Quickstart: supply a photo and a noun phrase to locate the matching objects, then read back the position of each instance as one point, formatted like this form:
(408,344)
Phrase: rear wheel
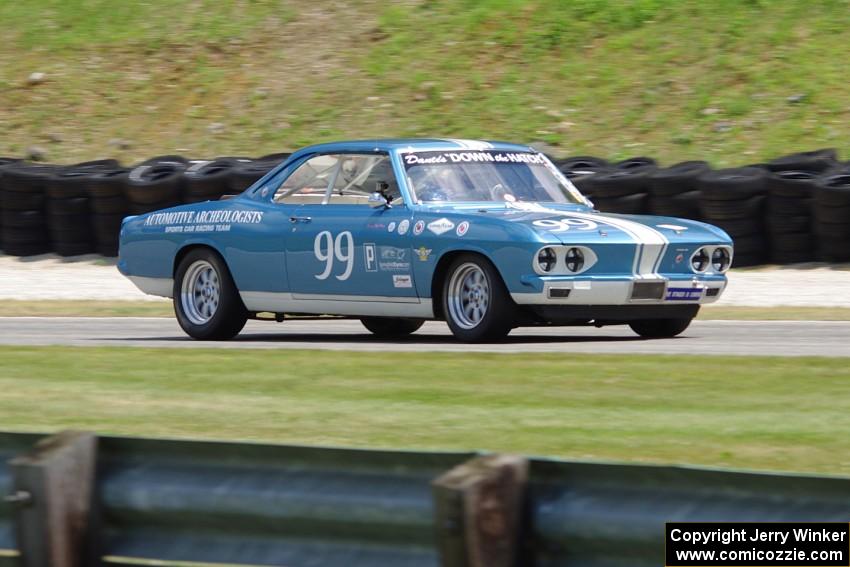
(390,327)
(660,328)
(206,302)
(476,304)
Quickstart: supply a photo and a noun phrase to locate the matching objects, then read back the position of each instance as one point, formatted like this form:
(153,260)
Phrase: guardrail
(254,504)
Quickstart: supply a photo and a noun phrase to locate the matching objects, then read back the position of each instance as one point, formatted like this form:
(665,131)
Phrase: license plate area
(684,294)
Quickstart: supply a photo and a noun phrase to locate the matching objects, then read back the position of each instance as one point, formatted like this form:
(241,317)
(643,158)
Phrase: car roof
(409,144)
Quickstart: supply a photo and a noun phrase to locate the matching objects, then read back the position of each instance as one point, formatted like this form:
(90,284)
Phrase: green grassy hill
(729,81)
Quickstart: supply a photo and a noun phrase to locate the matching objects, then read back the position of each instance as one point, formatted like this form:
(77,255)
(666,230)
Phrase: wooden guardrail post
(53,490)
(478,507)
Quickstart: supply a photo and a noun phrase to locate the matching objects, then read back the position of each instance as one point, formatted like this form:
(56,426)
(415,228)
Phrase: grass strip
(744,412)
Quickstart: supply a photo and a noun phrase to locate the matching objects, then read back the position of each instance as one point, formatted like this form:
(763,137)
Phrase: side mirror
(378,201)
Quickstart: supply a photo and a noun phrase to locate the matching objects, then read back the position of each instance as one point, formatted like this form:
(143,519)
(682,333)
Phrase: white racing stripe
(651,244)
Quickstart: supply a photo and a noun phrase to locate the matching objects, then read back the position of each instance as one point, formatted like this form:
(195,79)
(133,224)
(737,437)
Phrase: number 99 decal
(553,225)
(326,249)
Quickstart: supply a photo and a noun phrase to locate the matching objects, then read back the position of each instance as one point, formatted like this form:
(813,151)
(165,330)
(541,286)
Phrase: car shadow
(367,339)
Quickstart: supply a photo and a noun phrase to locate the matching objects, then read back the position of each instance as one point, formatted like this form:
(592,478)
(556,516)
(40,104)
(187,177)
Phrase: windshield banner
(452,157)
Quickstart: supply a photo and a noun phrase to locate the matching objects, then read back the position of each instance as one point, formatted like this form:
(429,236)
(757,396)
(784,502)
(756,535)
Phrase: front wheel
(206,301)
(476,304)
(660,328)
(391,327)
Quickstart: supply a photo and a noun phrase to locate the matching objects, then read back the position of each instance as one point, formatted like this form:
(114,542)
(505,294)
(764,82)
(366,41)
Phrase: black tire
(229,315)
(788,206)
(149,184)
(833,190)
(246,174)
(207,181)
(391,327)
(660,328)
(137,209)
(275,159)
(824,213)
(640,162)
(815,161)
(109,205)
(173,159)
(25,248)
(677,179)
(752,208)
(781,224)
(732,184)
(108,183)
(72,206)
(617,182)
(499,313)
(577,166)
(67,184)
(636,204)
(25,219)
(792,184)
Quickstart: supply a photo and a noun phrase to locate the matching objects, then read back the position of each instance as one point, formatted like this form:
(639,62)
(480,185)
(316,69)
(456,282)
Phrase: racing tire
(476,304)
(391,327)
(660,328)
(817,161)
(206,301)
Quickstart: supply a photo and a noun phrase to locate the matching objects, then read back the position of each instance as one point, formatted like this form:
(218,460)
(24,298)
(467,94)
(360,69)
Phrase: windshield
(475,176)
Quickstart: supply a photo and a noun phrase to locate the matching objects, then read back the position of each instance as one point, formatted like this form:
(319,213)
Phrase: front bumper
(681,289)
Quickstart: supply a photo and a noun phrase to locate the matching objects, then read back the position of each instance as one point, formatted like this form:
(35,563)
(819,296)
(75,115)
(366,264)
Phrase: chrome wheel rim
(200,292)
(468,296)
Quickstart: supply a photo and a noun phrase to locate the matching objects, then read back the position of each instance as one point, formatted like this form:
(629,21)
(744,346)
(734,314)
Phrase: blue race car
(487,236)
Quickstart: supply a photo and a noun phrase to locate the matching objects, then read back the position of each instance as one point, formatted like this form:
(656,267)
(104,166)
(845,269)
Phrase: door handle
(294,219)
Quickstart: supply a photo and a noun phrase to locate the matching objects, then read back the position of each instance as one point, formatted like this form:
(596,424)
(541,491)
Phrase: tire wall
(795,208)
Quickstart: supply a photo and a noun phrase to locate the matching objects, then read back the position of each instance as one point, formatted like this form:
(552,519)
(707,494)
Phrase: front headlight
(720,259)
(699,261)
(546,259)
(575,260)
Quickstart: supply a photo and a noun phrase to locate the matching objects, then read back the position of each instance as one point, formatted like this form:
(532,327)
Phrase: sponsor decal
(394,259)
(419,227)
(369,257)
(679,258)
(440,226)
(402,280)
(451,157)
(264,192)
(202,221)
(462,228)
(391,227)
(423,253)
(403,226)
(376,225)
(684,293)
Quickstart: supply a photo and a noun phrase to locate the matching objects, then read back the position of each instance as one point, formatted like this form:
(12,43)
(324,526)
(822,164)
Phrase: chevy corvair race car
(486,236)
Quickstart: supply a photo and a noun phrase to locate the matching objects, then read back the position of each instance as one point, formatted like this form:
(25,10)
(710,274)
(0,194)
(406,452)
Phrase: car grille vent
(712,292)
(648,290)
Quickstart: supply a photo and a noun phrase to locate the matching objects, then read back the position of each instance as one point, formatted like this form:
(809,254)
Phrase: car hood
(576,223)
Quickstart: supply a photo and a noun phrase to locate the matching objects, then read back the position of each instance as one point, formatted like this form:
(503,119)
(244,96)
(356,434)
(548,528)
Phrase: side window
(310,182)
(360,176)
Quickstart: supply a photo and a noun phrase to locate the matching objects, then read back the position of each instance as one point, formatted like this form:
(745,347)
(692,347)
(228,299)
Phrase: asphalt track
(773,338)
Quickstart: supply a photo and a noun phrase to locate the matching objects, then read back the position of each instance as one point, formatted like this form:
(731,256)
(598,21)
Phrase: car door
(344,249)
